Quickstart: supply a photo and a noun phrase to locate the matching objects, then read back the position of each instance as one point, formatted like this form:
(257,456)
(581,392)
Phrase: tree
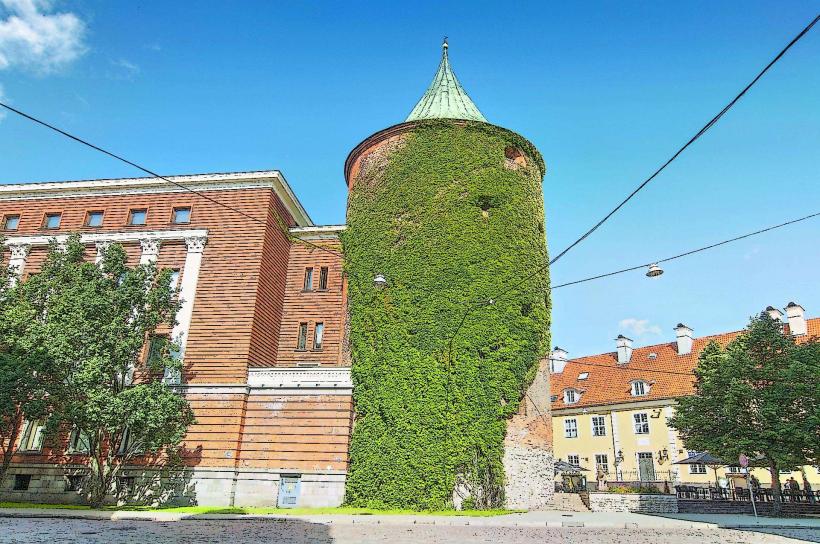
(98,319)
(26,374)
(760,396)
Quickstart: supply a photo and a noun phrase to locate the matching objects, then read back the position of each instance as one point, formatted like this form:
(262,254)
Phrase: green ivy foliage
(451,222)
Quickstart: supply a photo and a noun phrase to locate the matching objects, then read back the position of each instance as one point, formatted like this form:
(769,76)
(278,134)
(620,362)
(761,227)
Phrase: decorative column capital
(150,246)
(19,251)
(196,244)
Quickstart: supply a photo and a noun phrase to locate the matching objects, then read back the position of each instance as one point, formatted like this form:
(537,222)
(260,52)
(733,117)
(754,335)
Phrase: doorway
(646,467)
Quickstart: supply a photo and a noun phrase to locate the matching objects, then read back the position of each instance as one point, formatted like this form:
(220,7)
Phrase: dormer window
(640,388)
(571,396)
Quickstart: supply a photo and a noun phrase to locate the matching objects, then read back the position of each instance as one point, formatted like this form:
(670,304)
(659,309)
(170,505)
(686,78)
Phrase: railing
(742,494)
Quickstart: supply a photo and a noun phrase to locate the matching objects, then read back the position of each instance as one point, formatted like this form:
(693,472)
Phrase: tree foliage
(95,320)
(450,220)
(759,396)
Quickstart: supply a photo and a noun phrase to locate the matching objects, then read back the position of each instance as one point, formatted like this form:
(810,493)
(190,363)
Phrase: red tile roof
(669,374)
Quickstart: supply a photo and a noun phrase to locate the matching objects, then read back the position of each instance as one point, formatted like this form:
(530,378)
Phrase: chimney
(684,339)
(558,360)
(797,319)
(624,348)
(774,313)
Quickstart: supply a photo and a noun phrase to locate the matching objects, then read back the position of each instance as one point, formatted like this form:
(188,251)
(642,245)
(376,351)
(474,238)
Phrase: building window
(570,428)
(11,222)
(571,396)
(32,436)
(598,426)
(128,444)
(574,460)
(639,388)
(583,375)
(641,423)
(94,219)
(697,469)
(137,217)
(21,482)
(602,462)
(52,220)
(156,349)
(323,279)
(174,283)
(74,482)
(302,341)
(78,442)
(182,215)
(318,336)
(308,286)
(125,484)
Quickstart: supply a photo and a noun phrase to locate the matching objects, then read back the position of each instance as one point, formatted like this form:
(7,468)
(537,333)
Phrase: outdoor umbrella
(707,459)
(563,467)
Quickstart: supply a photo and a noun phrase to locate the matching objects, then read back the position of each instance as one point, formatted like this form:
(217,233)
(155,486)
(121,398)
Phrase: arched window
(571,396)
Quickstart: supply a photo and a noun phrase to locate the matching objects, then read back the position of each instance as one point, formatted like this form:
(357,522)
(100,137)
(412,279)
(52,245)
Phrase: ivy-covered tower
(448,353)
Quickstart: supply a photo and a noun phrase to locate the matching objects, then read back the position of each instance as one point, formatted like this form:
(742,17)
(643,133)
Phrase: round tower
(448,208)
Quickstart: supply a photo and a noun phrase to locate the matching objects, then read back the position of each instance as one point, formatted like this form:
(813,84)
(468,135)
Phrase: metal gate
(289,491)
(646,467)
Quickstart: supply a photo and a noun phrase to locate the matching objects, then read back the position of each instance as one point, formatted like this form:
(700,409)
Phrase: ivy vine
(451,217)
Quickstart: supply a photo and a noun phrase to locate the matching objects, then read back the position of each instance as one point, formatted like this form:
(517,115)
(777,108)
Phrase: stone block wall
(633,502)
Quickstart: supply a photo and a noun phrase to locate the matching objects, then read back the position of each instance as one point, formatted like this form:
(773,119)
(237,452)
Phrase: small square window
(308,285)
(323,279)
(318,336)
(21,482)
(52,220)
(11,222)
(94,219)
(574,460)
(570,428)
(74,482)
(302,340)
(137,217)
(182,215)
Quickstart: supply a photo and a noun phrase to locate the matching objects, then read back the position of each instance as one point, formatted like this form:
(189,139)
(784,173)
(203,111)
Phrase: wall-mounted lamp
(619,457)
(663,456)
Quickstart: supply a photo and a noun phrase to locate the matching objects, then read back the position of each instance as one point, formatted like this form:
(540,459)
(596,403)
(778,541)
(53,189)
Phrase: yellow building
(610,411)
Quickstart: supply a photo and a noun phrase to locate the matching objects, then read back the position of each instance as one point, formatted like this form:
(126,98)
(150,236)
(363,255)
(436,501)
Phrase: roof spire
(445,98)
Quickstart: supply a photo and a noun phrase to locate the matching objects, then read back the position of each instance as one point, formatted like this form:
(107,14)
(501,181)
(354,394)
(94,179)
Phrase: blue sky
(607,91)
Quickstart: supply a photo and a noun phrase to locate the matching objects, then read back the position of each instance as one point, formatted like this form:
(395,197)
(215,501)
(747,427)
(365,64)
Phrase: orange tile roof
(669,374)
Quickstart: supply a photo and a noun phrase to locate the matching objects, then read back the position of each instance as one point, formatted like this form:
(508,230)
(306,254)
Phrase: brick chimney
(558,360)
(774,313)
(684,339)
(797,319)
(623,345)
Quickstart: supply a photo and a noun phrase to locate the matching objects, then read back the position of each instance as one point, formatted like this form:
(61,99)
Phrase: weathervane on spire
(444,45)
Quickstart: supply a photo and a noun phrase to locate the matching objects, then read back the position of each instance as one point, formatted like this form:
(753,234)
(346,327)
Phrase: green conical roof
(445,98)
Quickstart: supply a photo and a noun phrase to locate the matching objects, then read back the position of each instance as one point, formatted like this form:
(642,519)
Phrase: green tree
(26,374)
(760,396)
(98,319)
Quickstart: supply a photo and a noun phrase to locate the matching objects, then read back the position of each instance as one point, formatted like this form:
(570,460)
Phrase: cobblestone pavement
(70,531)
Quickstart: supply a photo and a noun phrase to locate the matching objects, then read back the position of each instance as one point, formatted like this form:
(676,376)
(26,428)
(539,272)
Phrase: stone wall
(632,502)
(205,487)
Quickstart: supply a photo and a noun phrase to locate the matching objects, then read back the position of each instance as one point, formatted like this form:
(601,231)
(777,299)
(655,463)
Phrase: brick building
(260,328)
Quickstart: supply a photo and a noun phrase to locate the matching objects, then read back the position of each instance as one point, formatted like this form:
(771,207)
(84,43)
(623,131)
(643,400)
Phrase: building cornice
(230,181)
(615,407)
(318,232)
(115,237)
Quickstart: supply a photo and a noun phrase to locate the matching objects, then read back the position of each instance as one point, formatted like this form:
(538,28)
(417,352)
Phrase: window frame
(576,395)
(604,464)
(48,215)
(570,427)
(643,424)
(602,426)
(175,209)
(130,219)
(75,438)
(301,338)
(307,284)
(9,216)
(318,335)
(324,272)
(577,459)
(89,214)
(32,443)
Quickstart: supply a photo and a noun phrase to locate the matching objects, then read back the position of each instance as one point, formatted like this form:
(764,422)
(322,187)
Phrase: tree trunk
(8,451)
(777,503)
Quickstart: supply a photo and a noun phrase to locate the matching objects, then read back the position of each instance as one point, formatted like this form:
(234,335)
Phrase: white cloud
(35,39)
(638,327)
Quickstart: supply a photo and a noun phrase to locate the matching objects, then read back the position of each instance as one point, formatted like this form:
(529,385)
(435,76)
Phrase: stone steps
(568,502)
